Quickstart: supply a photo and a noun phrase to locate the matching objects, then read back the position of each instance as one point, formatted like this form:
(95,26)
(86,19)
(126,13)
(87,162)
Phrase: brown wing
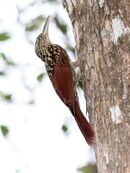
(62,79)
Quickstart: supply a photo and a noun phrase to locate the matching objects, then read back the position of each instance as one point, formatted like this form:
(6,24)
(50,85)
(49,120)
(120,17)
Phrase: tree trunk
(102,35)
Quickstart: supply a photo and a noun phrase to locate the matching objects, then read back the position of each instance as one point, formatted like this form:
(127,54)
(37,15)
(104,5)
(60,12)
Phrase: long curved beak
(46,27)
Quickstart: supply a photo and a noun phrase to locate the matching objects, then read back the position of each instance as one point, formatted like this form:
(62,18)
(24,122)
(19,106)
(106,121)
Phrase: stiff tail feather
(83,124)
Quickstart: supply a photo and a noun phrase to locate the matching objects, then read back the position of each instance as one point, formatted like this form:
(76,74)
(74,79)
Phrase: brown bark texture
(102,35)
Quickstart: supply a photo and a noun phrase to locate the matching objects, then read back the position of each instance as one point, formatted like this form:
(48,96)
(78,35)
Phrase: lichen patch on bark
(116,114)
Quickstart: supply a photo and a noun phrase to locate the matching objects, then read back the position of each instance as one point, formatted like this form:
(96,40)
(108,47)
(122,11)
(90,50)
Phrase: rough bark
(102,34)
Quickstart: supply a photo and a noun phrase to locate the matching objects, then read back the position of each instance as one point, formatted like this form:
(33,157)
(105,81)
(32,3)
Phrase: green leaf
(62,26)
(72,49)
(79,84)
(2,73)
(7,97)
(4,36)
(7,60)
(34,24)
(88,169)
(4,130)
(40,77)
(64,128)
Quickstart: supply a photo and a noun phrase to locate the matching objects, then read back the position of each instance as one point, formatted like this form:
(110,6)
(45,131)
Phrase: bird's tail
(82,122)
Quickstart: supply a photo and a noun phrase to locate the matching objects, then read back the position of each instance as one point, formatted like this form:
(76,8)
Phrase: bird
(59,70)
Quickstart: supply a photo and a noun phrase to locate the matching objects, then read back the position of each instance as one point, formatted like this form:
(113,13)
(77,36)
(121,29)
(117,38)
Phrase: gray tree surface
(102,34)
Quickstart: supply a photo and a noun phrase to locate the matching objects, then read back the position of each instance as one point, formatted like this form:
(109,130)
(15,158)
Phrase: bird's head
(42,41)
